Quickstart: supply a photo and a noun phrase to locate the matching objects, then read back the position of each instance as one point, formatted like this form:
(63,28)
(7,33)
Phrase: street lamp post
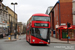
(10,28)
(1,0)
(14,18)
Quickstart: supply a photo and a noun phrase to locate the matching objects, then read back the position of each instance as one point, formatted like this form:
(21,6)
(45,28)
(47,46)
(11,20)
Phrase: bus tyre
(29,42)
(46,44)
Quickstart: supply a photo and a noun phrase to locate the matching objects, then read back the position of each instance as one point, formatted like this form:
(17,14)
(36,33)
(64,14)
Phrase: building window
(74,13)
(3,13)
(0,12)
(0,19)
(57,23)
(4,8)
(0,5)
(57,7)
(57,18)
(54,12)
(73,0)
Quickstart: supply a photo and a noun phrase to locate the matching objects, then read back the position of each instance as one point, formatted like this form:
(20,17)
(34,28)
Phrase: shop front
(63,33)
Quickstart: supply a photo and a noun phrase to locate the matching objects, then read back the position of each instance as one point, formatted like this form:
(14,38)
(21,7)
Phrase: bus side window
(28,32)
(32,31)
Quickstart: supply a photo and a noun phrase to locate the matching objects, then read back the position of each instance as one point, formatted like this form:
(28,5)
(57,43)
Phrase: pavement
(52,40)
(12,38)
(55,40)
(23,45)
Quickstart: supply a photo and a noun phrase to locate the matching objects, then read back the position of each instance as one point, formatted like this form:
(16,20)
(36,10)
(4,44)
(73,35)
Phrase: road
(23,45)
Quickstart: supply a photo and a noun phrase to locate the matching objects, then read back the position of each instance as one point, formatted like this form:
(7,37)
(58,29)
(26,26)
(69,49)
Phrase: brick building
(61,13)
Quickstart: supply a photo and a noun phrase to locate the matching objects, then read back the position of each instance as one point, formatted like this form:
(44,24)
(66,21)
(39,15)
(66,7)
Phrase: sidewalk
(54,40)
(13,39)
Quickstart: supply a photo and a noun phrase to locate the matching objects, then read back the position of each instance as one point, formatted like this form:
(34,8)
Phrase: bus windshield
(40,32)
(41,18)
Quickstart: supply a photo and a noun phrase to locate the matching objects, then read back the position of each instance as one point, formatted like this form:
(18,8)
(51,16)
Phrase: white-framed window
(0,12)
(57,7)
(0,5)
(57,18)
(54,12)
(73,0)
(57,23)
(0,19)
(73,12)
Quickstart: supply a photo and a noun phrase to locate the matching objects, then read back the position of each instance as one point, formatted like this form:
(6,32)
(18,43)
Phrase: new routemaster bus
(38,29)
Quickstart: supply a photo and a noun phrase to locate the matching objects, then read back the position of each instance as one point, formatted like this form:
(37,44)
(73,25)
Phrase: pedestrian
(15,34)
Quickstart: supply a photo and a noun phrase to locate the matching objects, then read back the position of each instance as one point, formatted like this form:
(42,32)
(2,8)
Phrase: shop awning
(65,27)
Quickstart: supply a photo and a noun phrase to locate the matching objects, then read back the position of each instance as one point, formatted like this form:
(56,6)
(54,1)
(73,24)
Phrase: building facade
(20,27)
(4,20)
(12,19)
(7,19)
(61,13)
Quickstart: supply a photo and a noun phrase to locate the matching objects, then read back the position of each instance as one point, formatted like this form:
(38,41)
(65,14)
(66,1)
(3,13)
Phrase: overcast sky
(26,8)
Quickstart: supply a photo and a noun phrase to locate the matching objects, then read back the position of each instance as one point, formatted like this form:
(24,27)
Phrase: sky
(26,8)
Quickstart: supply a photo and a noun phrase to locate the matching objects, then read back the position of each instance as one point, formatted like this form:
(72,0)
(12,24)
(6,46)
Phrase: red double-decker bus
(38,29)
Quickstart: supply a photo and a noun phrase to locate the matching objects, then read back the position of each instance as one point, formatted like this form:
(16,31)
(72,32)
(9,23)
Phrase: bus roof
(40,14)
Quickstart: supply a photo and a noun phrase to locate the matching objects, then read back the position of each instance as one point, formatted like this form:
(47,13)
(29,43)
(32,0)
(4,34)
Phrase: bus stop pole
(67,33)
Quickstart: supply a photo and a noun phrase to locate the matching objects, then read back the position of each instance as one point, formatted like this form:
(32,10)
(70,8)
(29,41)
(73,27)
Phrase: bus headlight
(33,40)
(48,40)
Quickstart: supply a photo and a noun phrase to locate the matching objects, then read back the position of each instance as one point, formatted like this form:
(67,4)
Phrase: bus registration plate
(40,42)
